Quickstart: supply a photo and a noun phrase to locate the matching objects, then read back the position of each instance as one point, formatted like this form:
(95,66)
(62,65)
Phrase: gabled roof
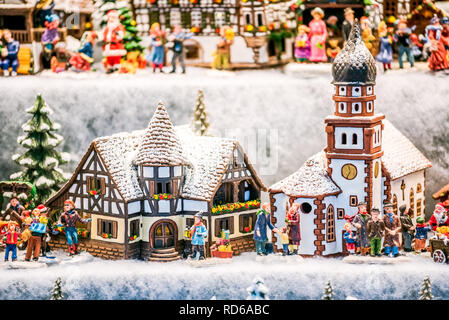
(442,192)
(311,180)
(82,6)
(160,145)
(400,157)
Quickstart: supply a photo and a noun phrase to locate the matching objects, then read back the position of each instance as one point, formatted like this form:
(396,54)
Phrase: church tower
(354,132)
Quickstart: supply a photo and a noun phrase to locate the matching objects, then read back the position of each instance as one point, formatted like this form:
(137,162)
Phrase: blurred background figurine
(82,60)
(385,50)
(43,8)
(417,47)
(333,30)
(177,46)
(113,48)
(347,24)
(302,44)
(222,59)
(333,49)
(367,34)
(318,35)
(9,54)
(438,57)
(156,56)
(445,34)
(402,38)
(59,62)
(49,39)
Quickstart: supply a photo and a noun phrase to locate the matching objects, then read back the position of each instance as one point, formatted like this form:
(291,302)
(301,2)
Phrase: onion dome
(354,65)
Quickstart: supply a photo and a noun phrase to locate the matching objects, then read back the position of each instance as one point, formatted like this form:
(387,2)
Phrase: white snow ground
(286,277)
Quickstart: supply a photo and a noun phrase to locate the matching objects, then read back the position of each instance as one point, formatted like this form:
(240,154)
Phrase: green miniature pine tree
(200,124)
(131,40)
(41,160)
(56,293)
(426,290)
(328,292)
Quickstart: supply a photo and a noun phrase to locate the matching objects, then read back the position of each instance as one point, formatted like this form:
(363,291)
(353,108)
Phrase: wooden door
(164,236)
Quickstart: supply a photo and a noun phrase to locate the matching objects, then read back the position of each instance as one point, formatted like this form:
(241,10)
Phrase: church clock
(349,171)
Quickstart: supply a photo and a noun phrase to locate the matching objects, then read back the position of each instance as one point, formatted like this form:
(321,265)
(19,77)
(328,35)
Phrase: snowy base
(208,262)
(83,257)
(24,265)
(375,260)
(275,258)
(308,70)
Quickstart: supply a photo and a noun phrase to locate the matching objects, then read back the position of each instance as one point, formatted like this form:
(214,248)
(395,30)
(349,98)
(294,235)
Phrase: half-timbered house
(141,190)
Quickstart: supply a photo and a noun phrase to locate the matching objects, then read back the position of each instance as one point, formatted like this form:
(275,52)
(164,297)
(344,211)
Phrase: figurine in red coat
(113,48)
(439,217)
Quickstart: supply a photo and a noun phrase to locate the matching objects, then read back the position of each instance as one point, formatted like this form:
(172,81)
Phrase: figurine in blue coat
(260,229)
(10,54)
(198,232)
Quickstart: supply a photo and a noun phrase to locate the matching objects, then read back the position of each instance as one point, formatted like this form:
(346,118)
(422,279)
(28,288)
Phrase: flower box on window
(106,235)
(195,30)
(162,196)
(132,238)
(235,207)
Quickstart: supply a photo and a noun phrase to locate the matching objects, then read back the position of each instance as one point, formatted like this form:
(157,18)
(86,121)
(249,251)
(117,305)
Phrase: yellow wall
(120,228)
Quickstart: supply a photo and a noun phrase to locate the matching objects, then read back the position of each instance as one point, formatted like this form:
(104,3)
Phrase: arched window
(354,138)
(343,138)
(418,188)
(395,204)
(330,224)
(418,207)
(412,203)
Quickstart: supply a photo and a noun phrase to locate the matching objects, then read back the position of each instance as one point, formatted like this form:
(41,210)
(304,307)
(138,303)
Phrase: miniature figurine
(375,229)
(156,57)
(360,221)
(438,57)
(60,60)
(9,54)
(402,37)
(113,48)
(222,247)
(293,228)
(222,57)
(439,217)
(11,238)
(333,30)
(283,233)
(69,217)
(26,233)
(392,228)
(177,46)
(347,24)
(349,237)
(421,235)
(417,47)
(187,243)
(333,49)
(302,44)
(408,229)
(445,34)
(198,232)
(260,228)
(49,39)
(13,211)
(367,34)
(81,60)
(385,51)
(318,35)
(43,9)
(37,229)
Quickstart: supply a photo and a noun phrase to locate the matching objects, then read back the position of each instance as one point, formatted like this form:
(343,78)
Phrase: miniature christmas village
(162,189)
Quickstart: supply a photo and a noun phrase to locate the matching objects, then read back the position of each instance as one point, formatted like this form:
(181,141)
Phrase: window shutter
(103,186)
(114,229)
(99,221)
(231,225)
(175,187)
(241,223)
(217,227)
(88,184)
(254,221)
(151,187)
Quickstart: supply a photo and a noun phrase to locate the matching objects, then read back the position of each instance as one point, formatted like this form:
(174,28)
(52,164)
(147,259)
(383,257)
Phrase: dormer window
(356,91)
(342,107)
(95,186)
(342,91)
(356,107)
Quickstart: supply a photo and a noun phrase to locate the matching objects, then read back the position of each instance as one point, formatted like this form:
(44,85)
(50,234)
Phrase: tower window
(342,91)
(343,138)
(354,138)
(356,91)
(353,201)
(369,90)
(369,106)
(356,108)
(342,107)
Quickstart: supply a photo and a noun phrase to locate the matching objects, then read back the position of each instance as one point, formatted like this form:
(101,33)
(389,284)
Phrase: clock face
(376,169)
(349,171)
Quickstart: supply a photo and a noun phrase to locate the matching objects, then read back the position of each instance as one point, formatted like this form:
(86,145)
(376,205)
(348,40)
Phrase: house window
(418,207)
(354,138)
(340,213)
(395,204)
(305,207)
(96,186)
(412,203)
(369,90)
(196,18)
(162,186)
(134,228)
(225,194)
(247,222)
(259,19)
(356,108)
(247,191)
(220,18)
(353,201)
(343,138)
(418,188)
(342,91)
(224,224)
(107,228)
(248,18)
(330,224)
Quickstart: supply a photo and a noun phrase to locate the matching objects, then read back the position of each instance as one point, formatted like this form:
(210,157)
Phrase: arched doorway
(163,234)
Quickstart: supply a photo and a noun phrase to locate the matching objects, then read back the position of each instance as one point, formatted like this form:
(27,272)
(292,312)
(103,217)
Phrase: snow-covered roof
(82,6)
(400,157)
(160,145)
(310,180)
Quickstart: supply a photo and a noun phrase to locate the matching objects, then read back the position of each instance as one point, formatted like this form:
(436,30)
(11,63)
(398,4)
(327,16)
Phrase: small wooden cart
(221,254)
(439,251)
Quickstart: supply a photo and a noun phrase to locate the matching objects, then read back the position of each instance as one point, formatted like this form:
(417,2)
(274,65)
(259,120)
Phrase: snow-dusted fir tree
(426,290)
(328,292)
(56,293)
(258,290)
(41,160)
(200,124)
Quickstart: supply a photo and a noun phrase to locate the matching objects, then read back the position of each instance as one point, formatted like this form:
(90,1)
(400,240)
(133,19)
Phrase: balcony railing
(24,36)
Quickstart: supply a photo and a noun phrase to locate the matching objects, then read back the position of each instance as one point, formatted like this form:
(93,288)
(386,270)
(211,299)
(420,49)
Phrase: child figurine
(82,60)
(9,54)
(69,217)
(333,49)
(392,229)
(222,57)
(11,238)
(385,51)
(302,44)
(198,232)
(349,237)
(49,39)
(375,229)
(367,34)
(421,235)
(34,243)
(177,39)
(416,47)
(402,37)
(13,211)
(156,57)
(26,233)
(283,233)
(293,228)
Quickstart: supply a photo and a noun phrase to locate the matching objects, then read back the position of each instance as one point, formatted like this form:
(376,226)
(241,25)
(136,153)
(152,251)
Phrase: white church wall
(377,198)
(334,246)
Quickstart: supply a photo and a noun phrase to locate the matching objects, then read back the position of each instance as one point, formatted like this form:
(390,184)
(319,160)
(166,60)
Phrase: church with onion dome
(366,159)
